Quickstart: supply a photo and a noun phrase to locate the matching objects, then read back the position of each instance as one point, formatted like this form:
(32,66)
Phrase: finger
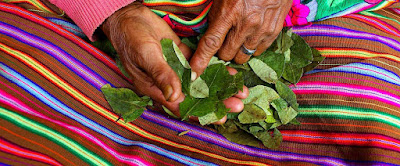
(231,70)
(251,43)
(174,106)
(264,45)
(143,84)
(152,62)
(234,104)
(232,44)
(243,94)
(186,51)
(209,45)
(271,30)
(221,121)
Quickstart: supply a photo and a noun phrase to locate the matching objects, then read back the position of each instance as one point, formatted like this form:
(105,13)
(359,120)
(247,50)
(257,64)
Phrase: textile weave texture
(52,111)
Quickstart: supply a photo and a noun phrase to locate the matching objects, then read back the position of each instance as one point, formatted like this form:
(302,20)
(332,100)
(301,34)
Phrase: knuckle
(212,43)
(254,21)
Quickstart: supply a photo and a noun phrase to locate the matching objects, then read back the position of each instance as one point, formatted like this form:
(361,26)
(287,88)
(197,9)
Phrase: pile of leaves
(271,103)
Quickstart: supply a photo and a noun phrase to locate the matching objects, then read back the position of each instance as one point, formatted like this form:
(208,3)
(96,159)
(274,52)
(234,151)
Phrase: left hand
(232,23)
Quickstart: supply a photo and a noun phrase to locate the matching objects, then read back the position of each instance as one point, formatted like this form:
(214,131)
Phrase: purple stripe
(212,137)
(68,46)
(56,52)
(15,161)
(65,32)
(335,31)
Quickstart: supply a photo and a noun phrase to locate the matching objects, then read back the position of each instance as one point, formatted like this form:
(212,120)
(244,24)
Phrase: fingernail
(194,75)
(167,92)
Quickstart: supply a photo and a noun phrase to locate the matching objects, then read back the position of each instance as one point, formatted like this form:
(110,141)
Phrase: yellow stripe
(28,60)
(356,53)
(36,4)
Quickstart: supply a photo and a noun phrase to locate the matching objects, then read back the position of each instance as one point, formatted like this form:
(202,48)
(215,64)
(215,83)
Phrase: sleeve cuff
(90,14)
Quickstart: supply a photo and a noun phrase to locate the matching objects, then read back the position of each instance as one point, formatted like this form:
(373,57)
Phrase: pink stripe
(314,76)
(378,24)
(18,105)
(297,89)
(354,67)
(25,153)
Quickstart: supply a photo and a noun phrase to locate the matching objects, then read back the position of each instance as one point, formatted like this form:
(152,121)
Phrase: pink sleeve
(90,14)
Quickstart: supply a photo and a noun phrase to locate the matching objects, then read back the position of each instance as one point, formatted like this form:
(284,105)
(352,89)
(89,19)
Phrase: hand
(135,32)
(252,23)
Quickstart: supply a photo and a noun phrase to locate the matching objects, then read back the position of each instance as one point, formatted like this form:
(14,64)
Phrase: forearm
(90,14)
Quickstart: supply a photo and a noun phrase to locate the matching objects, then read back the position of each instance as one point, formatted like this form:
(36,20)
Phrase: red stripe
(350,139)
(25,153)
(58,29)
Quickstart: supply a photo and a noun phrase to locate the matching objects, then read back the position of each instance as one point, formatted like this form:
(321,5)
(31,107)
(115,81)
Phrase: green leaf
(287,94)
(250,78)
(199,88)
(243,66)
(274,60)
(186,81)
(292,73)
(270,141)
(171,57)
(255,129)
(294,122)
(217,77)
(121,67)
(233,87)
(125,102)
(231,132)
(191,42)
(261,93)
(252,114)
(214,60)
(300,52)
(275,125)
(214,116)
(286,42)
(232,115)
(263,71)
(169,112)
(197,107)
(286,114)
(183,133)
(270,119)
(180,56)
(317,59)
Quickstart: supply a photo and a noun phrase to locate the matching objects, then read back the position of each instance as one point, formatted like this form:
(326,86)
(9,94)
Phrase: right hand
(135,32)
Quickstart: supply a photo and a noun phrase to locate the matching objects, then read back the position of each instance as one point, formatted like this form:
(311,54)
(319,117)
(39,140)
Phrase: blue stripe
(52,102)
(24,12)
(71,27)
(362,72)
(16,33)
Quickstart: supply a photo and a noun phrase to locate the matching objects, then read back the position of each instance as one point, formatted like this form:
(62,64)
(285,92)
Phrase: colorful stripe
(53,135)
(347,108)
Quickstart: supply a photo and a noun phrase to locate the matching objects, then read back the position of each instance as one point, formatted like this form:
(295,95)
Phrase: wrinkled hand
(135,32)
(233,23)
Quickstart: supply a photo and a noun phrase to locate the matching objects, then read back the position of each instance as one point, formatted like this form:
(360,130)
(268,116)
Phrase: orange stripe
(33,142)
(173,4)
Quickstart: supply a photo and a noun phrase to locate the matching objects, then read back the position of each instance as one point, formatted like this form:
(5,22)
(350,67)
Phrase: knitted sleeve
(90,14)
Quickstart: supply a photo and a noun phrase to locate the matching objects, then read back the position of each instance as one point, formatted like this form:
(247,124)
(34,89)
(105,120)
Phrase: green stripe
(186,2)
(345,112)
(179,20)
(54,136)
(381,17)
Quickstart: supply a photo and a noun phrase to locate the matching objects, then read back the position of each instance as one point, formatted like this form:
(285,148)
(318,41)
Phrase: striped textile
(52,111)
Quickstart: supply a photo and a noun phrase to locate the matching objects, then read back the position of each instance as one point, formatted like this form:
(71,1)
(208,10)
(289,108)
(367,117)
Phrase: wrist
(120,15)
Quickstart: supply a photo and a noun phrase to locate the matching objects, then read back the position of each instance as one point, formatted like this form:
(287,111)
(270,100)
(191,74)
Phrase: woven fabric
(52,111)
